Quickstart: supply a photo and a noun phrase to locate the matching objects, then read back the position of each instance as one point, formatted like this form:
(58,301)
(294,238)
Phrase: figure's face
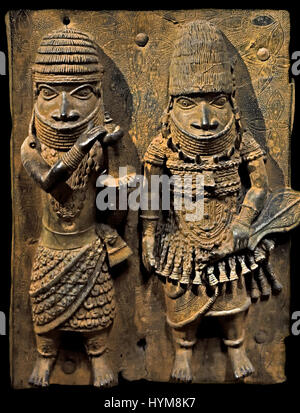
(66,104)
(202,114)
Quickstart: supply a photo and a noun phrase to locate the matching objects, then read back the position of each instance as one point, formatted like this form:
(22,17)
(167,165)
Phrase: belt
(67,240)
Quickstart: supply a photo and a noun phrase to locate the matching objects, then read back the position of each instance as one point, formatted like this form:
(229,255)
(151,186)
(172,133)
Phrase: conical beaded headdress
(200,62)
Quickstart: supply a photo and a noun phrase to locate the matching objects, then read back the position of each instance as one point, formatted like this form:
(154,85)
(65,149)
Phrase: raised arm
(52,178)
(37,168)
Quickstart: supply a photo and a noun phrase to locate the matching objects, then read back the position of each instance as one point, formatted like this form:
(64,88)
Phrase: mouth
(65,119)
(198,130)
(202,134)
(60,124)
(205,133)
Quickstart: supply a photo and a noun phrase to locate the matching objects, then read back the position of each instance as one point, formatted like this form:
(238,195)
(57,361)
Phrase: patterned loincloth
(71,289)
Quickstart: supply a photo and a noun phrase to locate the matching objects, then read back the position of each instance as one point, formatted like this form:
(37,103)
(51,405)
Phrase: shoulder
(28,148)
(26,143)
(250,149)
(156,151)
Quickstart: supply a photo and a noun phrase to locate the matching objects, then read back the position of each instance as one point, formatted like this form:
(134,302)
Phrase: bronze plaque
(94,294)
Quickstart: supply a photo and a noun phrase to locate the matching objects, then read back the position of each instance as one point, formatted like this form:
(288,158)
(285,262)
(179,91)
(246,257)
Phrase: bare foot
(41,371)
(102,374)
(182,366)
(241,365)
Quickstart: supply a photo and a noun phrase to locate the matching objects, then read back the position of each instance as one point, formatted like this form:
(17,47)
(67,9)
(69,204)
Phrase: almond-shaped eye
(47,92)
(185,103)
(220,101)
(84,92)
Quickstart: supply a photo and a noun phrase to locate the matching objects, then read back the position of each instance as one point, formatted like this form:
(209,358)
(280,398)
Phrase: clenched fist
(148,244)
(97,133)
(241,234)
(87,139)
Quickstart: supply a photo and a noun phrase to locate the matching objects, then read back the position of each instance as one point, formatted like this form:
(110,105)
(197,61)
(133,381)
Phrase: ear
(35,90)
(233,62)
(31,130)
(165,130)
(98,89)
(165,124)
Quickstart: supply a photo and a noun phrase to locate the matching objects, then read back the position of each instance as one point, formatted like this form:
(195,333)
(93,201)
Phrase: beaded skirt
(199,277)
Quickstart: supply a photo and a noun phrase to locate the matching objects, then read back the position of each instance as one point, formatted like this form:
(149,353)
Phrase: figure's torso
(77,213)
(219,184)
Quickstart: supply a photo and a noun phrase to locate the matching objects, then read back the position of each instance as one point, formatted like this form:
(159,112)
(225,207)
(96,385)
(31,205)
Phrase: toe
(239,373)
(31,380)
(243,372)
(250,369)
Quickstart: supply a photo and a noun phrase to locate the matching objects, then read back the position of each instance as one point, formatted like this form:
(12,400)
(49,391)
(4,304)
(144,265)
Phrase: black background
(237,397)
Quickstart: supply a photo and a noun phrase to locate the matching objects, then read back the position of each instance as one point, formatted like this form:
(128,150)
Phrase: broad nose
(206,120)
(64,106)
(65,112)
(205,116)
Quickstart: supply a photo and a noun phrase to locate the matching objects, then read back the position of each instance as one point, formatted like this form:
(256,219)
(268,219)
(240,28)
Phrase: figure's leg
(96,346)
(184,340)
(234,332)
(47,347)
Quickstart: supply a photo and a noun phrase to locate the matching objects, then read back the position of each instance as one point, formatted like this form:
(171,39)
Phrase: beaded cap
(67,55)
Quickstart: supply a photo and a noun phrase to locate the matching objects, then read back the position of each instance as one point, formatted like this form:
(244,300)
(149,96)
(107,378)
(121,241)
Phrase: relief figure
(71,288)
(218,265)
